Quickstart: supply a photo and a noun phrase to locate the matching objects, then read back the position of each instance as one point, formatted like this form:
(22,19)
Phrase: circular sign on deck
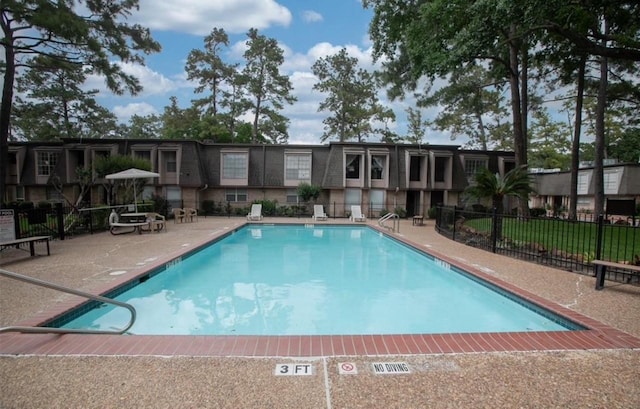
(347,368)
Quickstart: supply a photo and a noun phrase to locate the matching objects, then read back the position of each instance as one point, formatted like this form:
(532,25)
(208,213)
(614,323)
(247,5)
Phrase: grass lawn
(619,242)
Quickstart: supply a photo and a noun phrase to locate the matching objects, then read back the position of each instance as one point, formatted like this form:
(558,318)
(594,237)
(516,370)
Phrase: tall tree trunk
(5,108)
(519,137)
(598,169)
(523,205)
(481,130)
(516,111)
(575,144)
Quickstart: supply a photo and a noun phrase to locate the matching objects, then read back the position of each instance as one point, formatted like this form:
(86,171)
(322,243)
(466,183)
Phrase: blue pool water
(297,280)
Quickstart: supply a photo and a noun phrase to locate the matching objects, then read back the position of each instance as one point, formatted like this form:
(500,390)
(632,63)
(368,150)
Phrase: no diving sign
(347,368)
(387,368)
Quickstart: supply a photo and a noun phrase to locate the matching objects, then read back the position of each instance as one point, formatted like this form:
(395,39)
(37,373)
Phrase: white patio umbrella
(133,173)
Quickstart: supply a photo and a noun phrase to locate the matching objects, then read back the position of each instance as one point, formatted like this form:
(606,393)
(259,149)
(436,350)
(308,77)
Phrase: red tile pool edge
(596,336)
(312,346)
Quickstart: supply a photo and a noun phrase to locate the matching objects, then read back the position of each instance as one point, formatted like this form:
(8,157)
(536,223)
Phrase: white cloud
(198,17)
(123,113)
(153,82)
(311,16)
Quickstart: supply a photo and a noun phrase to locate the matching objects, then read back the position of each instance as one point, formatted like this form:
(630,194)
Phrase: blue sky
(305,29)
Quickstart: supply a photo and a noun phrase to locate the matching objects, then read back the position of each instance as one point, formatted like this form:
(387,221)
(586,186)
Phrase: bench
(601,269)
(115,228)
(418,220)
(30,240)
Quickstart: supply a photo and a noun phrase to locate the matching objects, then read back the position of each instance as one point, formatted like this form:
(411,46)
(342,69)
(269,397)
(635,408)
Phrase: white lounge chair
(256,212)
(356,214)
(318,213)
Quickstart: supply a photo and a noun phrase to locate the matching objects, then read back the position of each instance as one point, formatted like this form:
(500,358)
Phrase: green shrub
(209,207)
(268,207)
(537,212)
(401,212)
(160,204)
(44,205)
(432,212)
(308,192)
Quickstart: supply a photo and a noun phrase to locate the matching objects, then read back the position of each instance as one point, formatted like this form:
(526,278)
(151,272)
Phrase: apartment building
(376,176)
(553,190)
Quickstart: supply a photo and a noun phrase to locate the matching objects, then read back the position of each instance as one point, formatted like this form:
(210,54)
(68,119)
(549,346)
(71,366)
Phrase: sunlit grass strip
(621,243)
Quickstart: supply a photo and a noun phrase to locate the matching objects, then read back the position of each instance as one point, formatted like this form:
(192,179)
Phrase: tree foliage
(416,126)
(210,71)
(350,99)
(268,90)
(472,106)
(494,187)
(92,33)
(52,104)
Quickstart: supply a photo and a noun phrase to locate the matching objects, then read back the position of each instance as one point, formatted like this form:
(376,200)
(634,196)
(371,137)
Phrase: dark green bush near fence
(537,212)
(160,205)
(268,207)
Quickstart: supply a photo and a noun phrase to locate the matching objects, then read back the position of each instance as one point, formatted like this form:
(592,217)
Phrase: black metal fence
(274,209)
(59,222)
(570,245)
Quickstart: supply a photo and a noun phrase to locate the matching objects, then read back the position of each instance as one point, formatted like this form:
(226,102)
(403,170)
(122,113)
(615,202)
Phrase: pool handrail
(396,222)
(51,330)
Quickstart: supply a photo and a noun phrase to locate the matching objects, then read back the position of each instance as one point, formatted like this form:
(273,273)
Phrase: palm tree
(487,185)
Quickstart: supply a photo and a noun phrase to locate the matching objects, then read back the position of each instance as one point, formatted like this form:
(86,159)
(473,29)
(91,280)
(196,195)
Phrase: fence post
(16,223)
(454,222)
(599,236)
(60,220)
(494,229)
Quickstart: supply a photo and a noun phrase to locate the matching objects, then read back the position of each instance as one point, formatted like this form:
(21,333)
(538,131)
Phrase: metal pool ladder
(48,330)
(396,222)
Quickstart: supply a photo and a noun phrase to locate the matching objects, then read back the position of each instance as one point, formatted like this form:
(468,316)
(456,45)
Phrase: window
(352,197)
(171,164)
(20,193)
(292,196)
(611,182)
(376,197)
(377,167)
(234,165)
(12,169)
(298,167)
(46,163)
(174,196)
(440,171)
(509,166)
(352,170)
(473,166)
(414,168)
(146,155)
(236,195)
(583,182)
(583,202)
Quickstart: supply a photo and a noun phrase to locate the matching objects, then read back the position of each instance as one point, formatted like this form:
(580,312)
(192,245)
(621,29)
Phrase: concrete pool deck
(576,378)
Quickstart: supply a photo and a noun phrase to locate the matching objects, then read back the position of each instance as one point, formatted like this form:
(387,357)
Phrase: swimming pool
(312,280)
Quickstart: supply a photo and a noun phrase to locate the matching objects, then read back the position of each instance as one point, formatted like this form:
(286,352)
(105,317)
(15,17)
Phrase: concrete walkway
(579,379)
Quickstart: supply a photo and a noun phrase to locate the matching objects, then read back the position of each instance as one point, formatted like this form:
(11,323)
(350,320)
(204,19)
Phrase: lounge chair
(256,212)
(356,214)
(178,215)
(318,213)
(190,214)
